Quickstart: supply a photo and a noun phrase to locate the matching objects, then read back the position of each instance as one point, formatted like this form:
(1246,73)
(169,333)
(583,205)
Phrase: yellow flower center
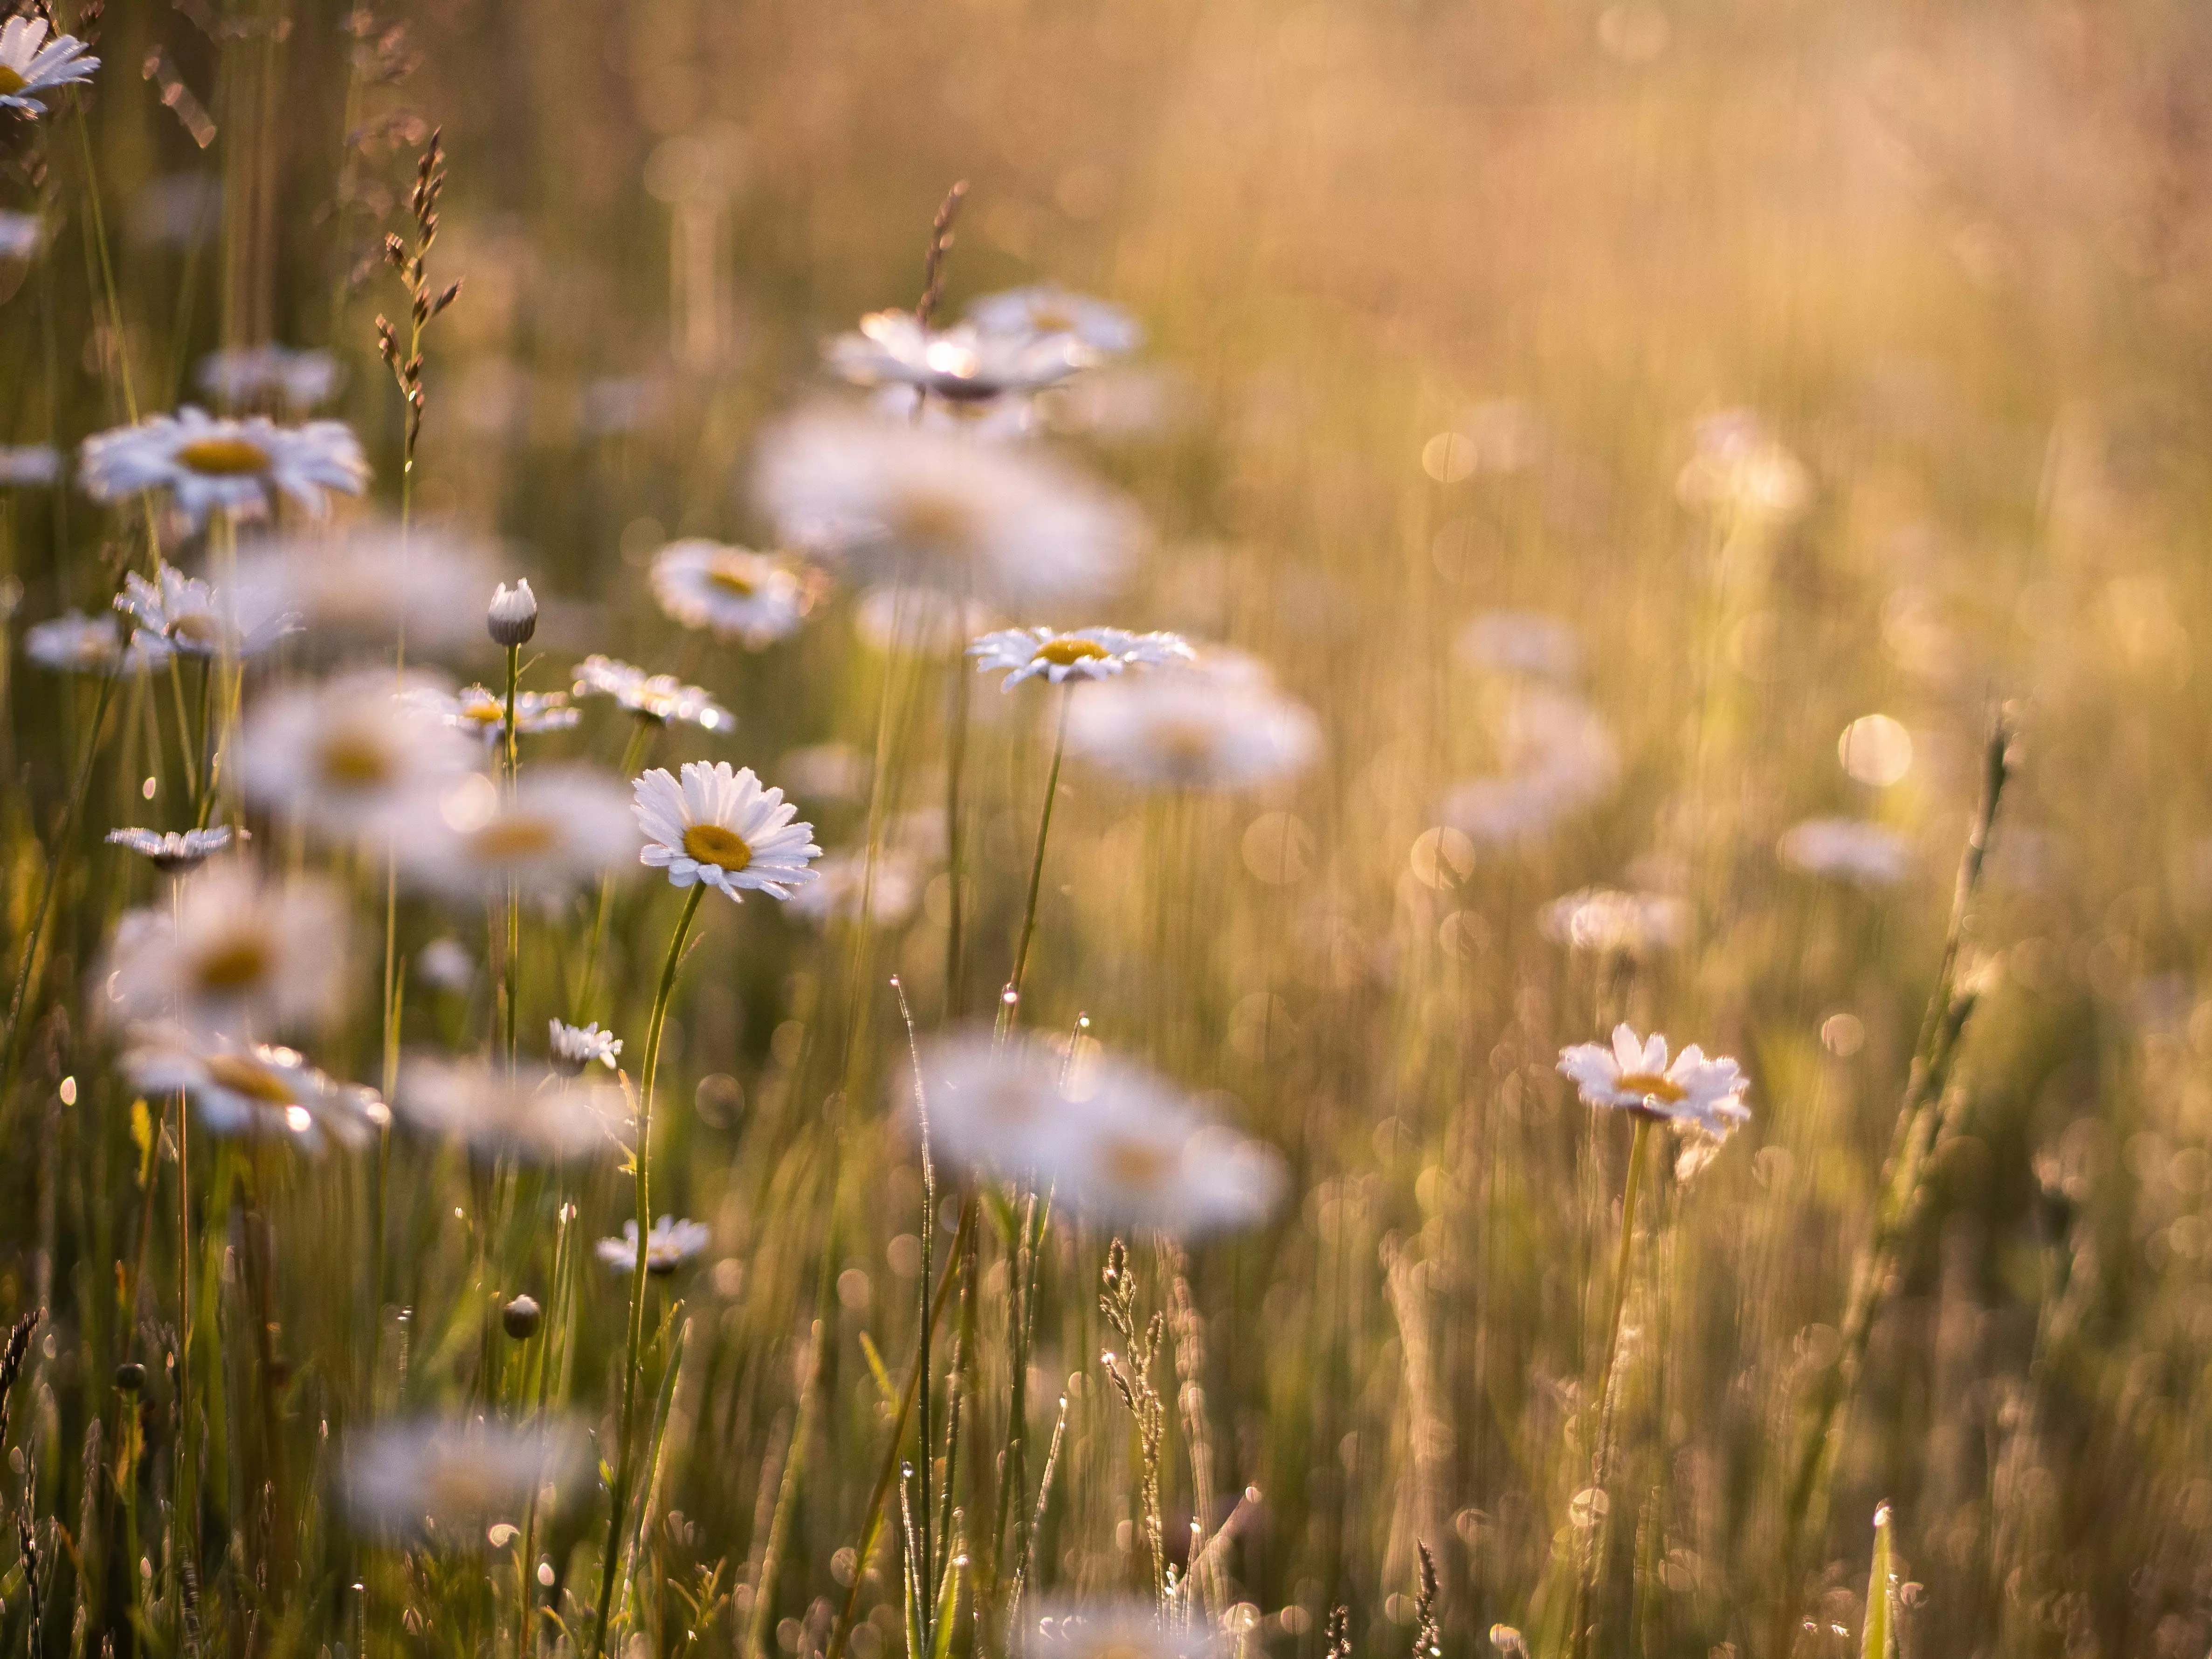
(1186,744)
(931,517)
(709,843)
(10,81)
(224,458)
(354,759)
(1137,1162)
(249,1078)
(1652,1086)
(1065,652)
(513,837)
(731,577)
(1051,319)
(233,963)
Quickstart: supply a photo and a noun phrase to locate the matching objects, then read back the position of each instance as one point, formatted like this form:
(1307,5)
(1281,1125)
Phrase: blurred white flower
(572,1047)
(1044,310)
(29,68)
(21,234)
(482,712)
(174,851)
(737,593)
(78,644)
(826,771)
(445,964)
(190,617)
(1605,919)
(720,827)
(451,1482)
(1557,758)
(1193,729)
(531,1112)
(1522,642)
(233,954)
(993,421)
(660,698)
(371,584)
(1633,1075)
(921,620)
(845,888)
(252,1089)
(1117,1144)
(1846,850)
(208,463)
(300,380)
(929,507)
(1736,463)
(560,828)
(1086,653)
(961,363)
(350,757)
(667,1247)
(24,465)
(1120,1628)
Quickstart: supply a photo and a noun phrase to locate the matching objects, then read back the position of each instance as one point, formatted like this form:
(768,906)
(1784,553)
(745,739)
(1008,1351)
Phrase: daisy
(372,584)
(174,852)
(574,1046)
(737,593)
(453,1481)
(1604,919)
(846,889)
(1117,1629)
(209,464)
(1087,653)
(78,644)
(512,617)
(660,698)
(445,965)
(184,612)
(827,771)
(893,347)
(349,757)
(991,420)
(533,1113)
(23,465)
(1633,1075)
(482,712)
(720,827)
(1522,642)
(245,374)
(1557,757)
(1846,850)
(1190,730)
(28,68)
(927,507)
(561,828)
(1044,310)
(1735,462)
(252,1088)
(925,621)
(233,953)
(667,1247)
(21,234)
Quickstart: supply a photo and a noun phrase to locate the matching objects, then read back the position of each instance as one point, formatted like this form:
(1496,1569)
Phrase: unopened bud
(521,1317)
(512,617)
(131,1377)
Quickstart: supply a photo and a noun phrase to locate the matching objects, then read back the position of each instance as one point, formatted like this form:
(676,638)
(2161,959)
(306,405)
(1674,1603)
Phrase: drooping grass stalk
(626,1454)
(1009,1005)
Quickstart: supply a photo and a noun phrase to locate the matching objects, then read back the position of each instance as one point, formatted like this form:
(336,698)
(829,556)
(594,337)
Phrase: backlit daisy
(533,1113)
(660,698)
(1633,1075)
(1605,920)
(1847,849)
(32,66)
(720,827)
(573,1048)
(560,828)
(193,619)
(252,1089)
(1086,653)
(452,1482)
(845,887)
(1557,758)
(176,850)
(667,1247)
(1117,1629)
(78,644)
(348,755)
(1044,310)
(29,465)
(737,593)
(298,380)
(482,712)
(233,953)
(961,363)
(369,584)
(1190,730)
(215,465)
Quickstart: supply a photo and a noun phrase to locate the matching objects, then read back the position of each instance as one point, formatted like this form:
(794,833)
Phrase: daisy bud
(521,1318)
(512,617)
(131,1377)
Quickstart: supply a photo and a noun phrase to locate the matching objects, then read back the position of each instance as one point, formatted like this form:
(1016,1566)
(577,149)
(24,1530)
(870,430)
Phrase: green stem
(513,963)
(1036,866)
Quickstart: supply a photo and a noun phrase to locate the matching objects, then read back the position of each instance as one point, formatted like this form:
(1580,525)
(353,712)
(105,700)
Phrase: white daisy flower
(962,363)
(1117,1629)
(216,464)
(1044,310)
(189,616)
(20,234)
(1633,1075)
(1193,730)
(371,584)
(78,644)
(1557,758)
(349,758)
(1522,642)
(561,828)
(1604,919)
(660,698)
(25,465)
(1847,849)
(252,1089)
(29,68)
(845,888)
(573,1048)
(482,712)
(720,827)
(233,953)
(737,593)
(1735,462)
(175,851)
(667,1247)
(531,1112)
(994,421)
(300,380)
(924,506)
(1115,1143)
(1086,653)
(452,1483)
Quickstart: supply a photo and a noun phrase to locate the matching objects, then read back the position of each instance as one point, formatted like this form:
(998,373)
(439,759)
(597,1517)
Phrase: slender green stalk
(1008,1006)
(633,753)
(512,978)
(955,765)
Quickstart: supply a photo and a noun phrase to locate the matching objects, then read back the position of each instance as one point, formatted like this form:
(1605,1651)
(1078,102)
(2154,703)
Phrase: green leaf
(1876,1644)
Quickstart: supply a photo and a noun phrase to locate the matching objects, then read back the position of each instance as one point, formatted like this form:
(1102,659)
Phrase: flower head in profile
(369,585)
(1044,311)
(1634,1075)
(534,1114)
(1609,921)
(560,828)
(1086,653)
(753,597)
(176,851)
(297,380)
(667,1247)
(349,758)
(1194,728)
(234,954)
(78,644)
(962,363)
(481,712)
(252,1089)
(29,465)
(213,464)
(573,1048)
(1846,850)
(189,616)
(660,698)
(452,1482)
(32,66)
(720,827)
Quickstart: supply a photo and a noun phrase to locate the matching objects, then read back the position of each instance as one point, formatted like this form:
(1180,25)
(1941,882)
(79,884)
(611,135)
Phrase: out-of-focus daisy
(826,771)
(174,851)
(1117,1143)
(192,618)
(208,463)
(349,756)
(962,363)
(1736,463)
(1119,1629)
(20,234)
(252,1089)
(660,698)
(667,1247)
(845,888)
(1633,1075)
(482,712)
(924,621)
(720,827)
(573,1048)
(531,1112)
(234,954)
(1605,919)
(29,465)
(445,965)
(371,584)
(1193,730)
(78,644)
(737,593)
(1044,310)
(1557,758)
(1086,653)
(560,828)
(929,508)
(1522,642)
(32,66)
(300,380)
(452,1482)
(993,421)
(1846,850)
